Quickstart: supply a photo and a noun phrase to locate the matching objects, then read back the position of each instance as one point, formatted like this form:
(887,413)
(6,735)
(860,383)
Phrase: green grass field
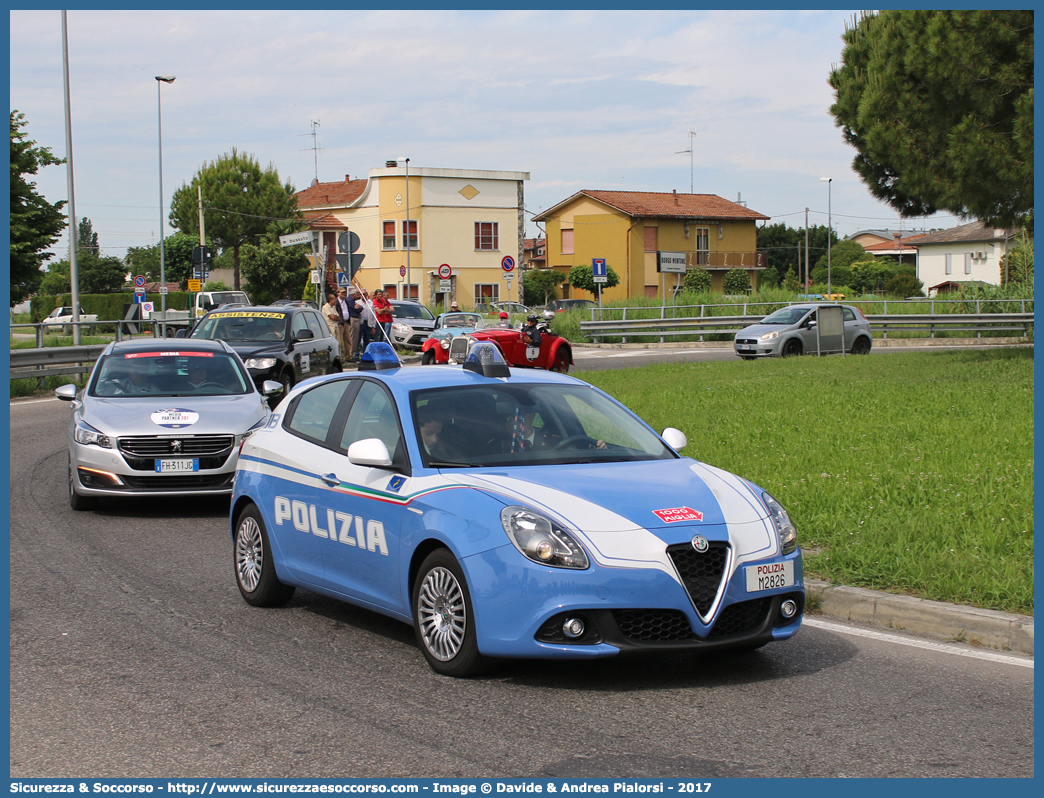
(908,472)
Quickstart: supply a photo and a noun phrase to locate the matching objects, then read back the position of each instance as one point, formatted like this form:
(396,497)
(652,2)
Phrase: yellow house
(466,221)
(629,228)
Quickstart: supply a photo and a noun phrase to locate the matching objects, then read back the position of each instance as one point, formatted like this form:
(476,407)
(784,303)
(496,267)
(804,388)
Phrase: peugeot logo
(699,542)
(175,446)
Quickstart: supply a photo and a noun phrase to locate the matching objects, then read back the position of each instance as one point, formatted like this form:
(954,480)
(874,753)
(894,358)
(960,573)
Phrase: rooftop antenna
(315,148)
(692,147)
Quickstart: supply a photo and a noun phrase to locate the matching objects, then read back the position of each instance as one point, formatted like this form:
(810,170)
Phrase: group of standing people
(353,318)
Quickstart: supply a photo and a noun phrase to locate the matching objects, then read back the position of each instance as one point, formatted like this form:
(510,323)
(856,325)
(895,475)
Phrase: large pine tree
(939,107)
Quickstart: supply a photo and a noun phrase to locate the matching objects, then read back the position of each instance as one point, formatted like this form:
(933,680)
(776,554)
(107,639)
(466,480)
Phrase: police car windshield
(170,373)
(525,425)
(243,325)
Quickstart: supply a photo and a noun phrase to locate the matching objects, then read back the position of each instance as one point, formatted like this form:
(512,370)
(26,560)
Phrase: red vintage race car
(554,354)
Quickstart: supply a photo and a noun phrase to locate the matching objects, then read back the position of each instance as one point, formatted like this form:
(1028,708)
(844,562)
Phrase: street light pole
(160,79)
(830,229)
(74,274)
(407,226)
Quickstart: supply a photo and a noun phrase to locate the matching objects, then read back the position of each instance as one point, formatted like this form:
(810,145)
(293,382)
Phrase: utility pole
(692,147)
(806,252)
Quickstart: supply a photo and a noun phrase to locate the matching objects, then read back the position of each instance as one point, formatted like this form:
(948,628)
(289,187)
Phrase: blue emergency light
(485,359)
(379,356)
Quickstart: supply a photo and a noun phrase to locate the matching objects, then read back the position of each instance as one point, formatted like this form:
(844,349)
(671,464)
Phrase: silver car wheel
(250,553)
(443,615)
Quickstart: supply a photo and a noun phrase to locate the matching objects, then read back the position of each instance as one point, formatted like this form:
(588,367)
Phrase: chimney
(675,191)
(347,178)
(391,164)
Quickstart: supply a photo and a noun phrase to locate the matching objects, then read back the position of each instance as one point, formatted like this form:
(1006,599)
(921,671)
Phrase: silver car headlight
(260,362)
(89,436)
(399,327)
(784,526)
(769,336)
(541,539)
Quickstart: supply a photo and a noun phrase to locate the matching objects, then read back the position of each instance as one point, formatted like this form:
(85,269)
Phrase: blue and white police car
(507,514)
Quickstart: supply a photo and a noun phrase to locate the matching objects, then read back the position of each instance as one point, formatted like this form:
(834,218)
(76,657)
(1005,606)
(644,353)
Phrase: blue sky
(579,99)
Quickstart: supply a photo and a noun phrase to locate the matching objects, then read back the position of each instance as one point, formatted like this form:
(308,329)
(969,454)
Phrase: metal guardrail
(49,361)
(663,328)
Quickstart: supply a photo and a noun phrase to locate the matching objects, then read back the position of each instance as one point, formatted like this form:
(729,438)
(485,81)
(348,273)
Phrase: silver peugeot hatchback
(792,331)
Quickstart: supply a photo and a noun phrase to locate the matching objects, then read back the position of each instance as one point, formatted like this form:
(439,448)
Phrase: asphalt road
(132,654)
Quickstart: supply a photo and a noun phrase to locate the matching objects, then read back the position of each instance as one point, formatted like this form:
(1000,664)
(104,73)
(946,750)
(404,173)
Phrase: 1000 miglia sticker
(175,418)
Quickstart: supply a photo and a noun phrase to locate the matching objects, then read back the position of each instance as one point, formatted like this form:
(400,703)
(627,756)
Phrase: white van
(206,301)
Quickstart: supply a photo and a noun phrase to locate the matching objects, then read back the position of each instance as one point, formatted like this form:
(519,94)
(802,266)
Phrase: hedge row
(109,307)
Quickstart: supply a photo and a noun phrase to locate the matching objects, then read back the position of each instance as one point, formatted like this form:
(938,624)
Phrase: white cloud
(580,99)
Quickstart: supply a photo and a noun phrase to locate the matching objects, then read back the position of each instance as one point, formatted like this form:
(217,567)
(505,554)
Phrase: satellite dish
(315,182)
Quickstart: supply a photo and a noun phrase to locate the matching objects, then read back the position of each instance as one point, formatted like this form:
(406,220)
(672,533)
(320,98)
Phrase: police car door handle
(330,479)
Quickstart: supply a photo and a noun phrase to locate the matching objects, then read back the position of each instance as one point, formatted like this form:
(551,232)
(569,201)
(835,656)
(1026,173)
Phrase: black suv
(283,343)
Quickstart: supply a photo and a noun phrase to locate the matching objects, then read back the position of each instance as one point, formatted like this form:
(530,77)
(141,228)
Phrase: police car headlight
(770,336)
(541,539)
(89,436)
(260,362)
(784,526)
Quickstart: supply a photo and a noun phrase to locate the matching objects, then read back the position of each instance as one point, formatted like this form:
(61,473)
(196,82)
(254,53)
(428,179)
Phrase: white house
(969,253)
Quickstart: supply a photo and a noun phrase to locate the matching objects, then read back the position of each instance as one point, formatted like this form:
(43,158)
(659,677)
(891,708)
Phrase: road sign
(139,290)
(164,289)
(146,309)
(348,242)
(445,272)
(315,278)
(509,276)
(356,262)
(195,285)
(599,270)
(202,255)
(671,262)
(139,281)
(508,264)
(290,239)
(445,286)
(200,274)
(139,297)
(342,280)
(402,271)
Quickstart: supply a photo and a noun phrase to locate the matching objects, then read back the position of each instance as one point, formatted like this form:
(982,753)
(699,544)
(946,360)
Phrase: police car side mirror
(675,438)
(369,452)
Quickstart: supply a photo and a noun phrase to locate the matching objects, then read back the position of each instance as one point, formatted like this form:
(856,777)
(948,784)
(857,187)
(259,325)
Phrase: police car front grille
(163,446)
(740,617)
(653,626)
(700,573)
(180,482)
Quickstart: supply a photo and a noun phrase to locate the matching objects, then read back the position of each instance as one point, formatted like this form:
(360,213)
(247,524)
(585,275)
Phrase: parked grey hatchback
(792,331)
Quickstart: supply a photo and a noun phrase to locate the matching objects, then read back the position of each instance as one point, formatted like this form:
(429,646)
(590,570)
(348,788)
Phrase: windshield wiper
(451,464)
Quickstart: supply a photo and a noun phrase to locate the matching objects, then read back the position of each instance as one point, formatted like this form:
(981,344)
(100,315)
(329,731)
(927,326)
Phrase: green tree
(582,277)
(217,285)
(35,223)
(177,258)
(1017,265)
(904,285)
(784,247)
(842,255)
(240,201)
(274,272)
(792,282)
(697,280)
(540,286)
(86,238)
(95,275)
(736,281)
(939,107)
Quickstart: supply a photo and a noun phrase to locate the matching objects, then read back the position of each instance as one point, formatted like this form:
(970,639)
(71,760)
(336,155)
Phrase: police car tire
(441,579)
(252,546)
(76,501)
(428,358)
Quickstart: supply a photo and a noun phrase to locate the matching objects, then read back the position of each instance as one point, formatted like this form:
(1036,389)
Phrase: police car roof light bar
(378,357)
(485,359)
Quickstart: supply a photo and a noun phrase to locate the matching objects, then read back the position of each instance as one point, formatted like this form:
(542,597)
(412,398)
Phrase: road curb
(937,620)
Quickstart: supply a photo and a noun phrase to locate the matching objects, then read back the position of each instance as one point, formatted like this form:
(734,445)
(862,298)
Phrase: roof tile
(663,204)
